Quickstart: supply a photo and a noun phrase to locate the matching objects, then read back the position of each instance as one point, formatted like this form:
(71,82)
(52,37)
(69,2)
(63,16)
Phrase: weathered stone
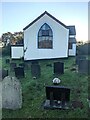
(11,93)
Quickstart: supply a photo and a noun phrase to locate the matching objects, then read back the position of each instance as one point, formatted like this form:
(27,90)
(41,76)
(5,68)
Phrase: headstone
(58,68)
(12,66)
(11,93)
(80,57)
(7,60)
(3,74)
(35,70)
(59,93)
(19,72)
(84,66)
(57,97)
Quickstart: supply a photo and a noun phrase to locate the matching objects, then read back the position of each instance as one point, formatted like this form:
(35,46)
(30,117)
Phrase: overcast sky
(17,15)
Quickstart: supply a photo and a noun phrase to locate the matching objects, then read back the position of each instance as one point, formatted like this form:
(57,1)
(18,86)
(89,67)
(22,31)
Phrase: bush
(84,49)
(6,50)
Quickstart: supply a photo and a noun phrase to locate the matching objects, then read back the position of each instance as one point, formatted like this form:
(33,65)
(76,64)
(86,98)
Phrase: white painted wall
(72,52)
(60,40)
(17,52)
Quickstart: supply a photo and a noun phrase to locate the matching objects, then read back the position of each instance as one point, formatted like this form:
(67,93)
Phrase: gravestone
(35,70)
(84,66)
(7,60)
(57,97)
(12,66)
(80,57)
(3,74)
(19,72)
(11,93)
(58,68)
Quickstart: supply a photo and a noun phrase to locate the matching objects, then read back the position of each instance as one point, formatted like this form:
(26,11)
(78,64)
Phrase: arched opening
(45,37)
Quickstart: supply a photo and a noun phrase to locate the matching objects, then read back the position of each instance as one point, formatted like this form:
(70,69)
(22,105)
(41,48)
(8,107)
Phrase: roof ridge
(42,16)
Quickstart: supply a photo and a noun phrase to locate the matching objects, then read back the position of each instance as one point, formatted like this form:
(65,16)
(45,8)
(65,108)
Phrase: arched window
(45,37)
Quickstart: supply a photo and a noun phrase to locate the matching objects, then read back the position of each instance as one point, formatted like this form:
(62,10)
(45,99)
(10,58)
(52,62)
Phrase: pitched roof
(72,30)
(42,16)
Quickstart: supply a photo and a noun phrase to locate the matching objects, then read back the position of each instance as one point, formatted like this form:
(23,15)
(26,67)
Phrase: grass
(34,91)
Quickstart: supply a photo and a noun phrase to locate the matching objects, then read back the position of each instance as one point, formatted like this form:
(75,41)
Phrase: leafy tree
(84,49)
(6,50)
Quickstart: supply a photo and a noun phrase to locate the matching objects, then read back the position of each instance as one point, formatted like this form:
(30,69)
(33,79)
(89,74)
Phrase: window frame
(46,36)
(70,45)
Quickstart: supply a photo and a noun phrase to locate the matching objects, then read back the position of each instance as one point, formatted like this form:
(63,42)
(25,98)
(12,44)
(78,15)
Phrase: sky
(17,15)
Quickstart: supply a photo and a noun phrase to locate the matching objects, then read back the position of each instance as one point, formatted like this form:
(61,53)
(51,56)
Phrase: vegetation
(12,38)
(34,91)
(6,50)
(84,49)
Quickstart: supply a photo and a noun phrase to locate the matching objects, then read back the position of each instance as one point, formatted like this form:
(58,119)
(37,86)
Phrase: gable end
(42,16)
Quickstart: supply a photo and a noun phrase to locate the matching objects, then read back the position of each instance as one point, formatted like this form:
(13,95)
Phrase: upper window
(45,37)
(70,45)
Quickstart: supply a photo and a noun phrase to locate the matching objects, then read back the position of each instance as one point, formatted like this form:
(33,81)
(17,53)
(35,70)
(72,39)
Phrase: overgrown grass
(34,91)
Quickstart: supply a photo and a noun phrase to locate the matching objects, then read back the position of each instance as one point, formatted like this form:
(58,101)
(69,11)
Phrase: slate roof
(72,30)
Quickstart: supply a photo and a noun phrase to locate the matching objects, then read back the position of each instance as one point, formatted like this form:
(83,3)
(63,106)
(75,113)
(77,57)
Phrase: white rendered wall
(17,52)
(60,40)
(72,52)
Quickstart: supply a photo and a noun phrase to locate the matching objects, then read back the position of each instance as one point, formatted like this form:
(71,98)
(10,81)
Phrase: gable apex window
(45,37)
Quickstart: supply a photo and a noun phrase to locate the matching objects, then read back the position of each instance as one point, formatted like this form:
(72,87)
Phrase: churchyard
(33,90)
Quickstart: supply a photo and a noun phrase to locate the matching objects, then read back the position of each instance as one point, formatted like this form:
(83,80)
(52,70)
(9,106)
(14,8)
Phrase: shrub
(6,50)
(84,49)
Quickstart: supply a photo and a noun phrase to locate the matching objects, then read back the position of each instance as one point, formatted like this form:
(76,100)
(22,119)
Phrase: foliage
(16,38)
(84,49)
(6,51)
